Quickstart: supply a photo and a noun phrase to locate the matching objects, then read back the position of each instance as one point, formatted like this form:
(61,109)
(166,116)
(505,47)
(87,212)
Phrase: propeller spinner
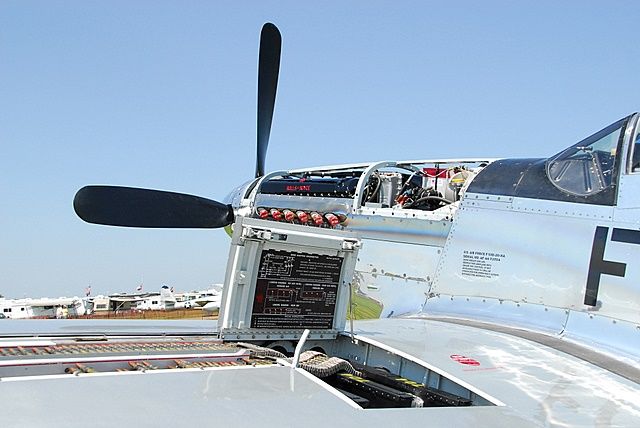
(134,207)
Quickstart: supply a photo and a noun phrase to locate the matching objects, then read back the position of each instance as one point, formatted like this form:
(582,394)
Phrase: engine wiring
(369,194)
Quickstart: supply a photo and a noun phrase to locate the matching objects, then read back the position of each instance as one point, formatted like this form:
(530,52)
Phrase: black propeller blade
(268,69)
(132,207)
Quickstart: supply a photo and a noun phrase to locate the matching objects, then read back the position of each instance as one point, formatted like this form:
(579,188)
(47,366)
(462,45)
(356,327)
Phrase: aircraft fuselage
(546,244)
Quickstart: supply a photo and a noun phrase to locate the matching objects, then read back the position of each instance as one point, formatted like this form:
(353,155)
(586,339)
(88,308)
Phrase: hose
(428,198)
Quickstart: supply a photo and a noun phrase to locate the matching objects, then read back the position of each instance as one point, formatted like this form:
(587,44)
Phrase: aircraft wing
(528,384)
(536,382)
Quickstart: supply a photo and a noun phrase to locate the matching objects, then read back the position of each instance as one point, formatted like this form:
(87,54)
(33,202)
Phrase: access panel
(285,278)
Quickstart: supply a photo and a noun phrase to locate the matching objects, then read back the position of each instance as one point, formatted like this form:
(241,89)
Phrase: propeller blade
(268,69)
(133,207)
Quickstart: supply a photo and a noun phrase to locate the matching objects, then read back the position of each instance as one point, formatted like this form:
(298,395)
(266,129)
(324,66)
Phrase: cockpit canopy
(586,172)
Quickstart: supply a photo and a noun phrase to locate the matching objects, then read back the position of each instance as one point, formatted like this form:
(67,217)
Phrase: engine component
(436,178)
(378,394)
(262,213)
(390,186)
(332,219)
(260,351)
(276,214)
(288,215)
(337,187)
(360,401)
(302,216)
(322,366)
(317,218)
(431,396)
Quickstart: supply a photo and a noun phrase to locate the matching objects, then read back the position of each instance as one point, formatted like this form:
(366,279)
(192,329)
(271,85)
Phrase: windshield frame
(621,126)
(632,145)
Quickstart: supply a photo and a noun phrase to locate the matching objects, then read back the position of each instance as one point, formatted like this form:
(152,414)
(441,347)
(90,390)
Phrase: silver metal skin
(414,261)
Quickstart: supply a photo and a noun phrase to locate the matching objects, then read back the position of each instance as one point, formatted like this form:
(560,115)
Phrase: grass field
(364,307)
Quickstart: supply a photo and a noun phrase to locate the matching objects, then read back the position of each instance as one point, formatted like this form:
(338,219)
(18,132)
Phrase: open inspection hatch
(287,284)
(371,376)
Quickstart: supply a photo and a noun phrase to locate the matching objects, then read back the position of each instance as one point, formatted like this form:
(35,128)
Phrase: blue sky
(162,95)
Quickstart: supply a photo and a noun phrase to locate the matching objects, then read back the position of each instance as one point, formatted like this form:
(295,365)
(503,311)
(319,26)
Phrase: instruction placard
(481,264)
(296,290)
